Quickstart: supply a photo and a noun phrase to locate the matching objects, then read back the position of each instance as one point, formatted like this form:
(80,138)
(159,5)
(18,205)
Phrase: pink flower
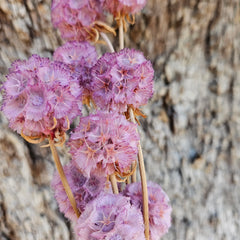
(16,83)
(75,18)
(75,53)
(80,57)
(15,106)
(104,140)
(124,7)
(84,189)
(110,217)
(159,207)
(30,65)
(54,73)
(38,92)
(122,79)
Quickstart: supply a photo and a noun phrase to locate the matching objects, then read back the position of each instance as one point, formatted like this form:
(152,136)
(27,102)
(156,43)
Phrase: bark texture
(190,137)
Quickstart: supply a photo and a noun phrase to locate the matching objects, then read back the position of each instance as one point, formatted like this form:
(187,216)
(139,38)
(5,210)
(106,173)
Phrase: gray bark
(190,137)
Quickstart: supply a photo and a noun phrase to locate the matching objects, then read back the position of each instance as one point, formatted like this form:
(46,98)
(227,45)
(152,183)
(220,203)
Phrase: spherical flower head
(122,79)
(75,18)
(110,217)
(39,97)
(104,141)
(30,65)
(159,207)
(80,57)
(124,7)
(84,189)
(74,53)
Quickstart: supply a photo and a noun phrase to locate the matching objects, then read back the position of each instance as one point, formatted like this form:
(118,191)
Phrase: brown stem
(134,175)
(121,35)
(144,191)
(128,181)
(143,182)
(63,177)
(132,118)
(140,155)
(114,184)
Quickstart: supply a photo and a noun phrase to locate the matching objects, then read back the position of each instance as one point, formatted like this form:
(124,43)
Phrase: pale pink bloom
(159,207)
(37,92)
(84,189)
(75,18)
(110,217)
(80,57)
(124,7)
(104,141)
(122,79)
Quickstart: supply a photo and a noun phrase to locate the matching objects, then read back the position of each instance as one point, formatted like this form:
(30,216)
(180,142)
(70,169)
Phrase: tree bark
(190,137)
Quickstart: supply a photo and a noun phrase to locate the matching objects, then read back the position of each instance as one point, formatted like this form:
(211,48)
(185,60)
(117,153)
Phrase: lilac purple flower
(39,96)
(104,141)
(84,189)
(159,207)
(124,7)
(75,18)
(122,79)
(110,217)
(80,57)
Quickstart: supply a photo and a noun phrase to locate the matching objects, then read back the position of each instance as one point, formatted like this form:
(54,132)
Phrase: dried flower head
(122,79)
(38,97)
(75,18)
(104,141)
(80,57)
(84,189)
(110,217)
(159,207)
(124,7)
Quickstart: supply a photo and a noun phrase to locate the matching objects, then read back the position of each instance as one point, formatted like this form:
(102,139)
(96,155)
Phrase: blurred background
(190,138)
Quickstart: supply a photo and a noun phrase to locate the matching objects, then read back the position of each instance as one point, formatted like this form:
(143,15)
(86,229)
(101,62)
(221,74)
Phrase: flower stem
(121,35)
(143,182)
(140,155)
(63,177)
(134,175)
(132,118)
(128,181)
(108,42)
(114,184)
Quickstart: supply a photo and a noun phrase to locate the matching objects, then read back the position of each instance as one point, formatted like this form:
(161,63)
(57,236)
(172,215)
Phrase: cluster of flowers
(122,79)
(37,92)
(76,19)
(112,216)
(43,97)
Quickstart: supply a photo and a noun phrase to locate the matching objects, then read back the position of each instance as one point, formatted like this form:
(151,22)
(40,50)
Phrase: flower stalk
(114,184)
(105,147)
(140,154)
(143,182)
(63,177)
(107,41)
(121,35)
